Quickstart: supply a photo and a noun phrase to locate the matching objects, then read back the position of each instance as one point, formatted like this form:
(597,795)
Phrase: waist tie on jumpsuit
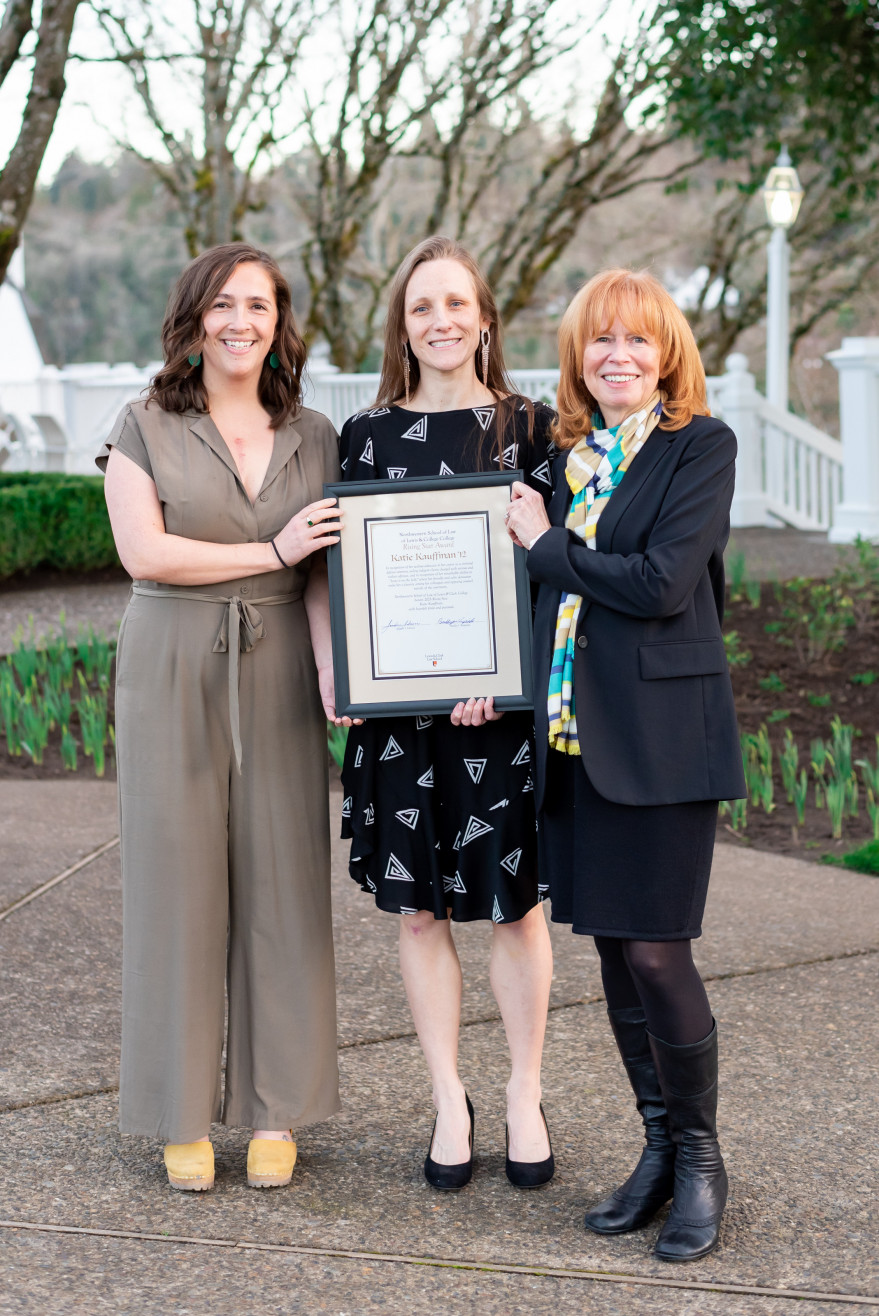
(241,627)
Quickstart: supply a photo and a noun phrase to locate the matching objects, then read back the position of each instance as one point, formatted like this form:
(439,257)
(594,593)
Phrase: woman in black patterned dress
(440,810)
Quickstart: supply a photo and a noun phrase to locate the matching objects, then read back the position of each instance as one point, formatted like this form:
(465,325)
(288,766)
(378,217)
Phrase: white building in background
(788,472)
(53,418)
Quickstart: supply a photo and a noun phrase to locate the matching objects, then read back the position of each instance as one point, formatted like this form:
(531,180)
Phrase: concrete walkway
(88,1224)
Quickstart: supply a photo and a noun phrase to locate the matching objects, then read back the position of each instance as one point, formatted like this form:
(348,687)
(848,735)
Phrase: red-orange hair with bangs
(641,303)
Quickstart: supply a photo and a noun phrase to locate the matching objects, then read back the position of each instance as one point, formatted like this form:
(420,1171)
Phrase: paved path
(88,1224)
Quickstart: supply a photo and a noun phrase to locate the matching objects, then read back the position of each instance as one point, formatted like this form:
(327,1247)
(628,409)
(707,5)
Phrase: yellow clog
(270,1162)
(190,1165)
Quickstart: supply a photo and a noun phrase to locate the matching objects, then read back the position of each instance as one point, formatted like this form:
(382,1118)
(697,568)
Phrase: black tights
(661,977)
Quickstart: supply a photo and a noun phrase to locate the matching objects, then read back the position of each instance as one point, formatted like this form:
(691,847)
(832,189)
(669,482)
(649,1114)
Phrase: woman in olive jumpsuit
(224,678)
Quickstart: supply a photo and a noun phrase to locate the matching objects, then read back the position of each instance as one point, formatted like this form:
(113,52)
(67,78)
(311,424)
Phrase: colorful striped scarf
(596,466)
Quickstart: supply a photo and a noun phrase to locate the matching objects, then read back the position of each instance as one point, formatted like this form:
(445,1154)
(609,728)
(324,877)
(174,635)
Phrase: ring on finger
(309,523)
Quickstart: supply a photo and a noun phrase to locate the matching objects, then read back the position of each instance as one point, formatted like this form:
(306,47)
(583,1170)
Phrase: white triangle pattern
(474,829)
(370,816)
(426,778)
(511,861)
(358,757)
(346,806)
(409,817)
(397,472)
(422,721)
(445,469)
(397,872)
(541,473)
(366,455)
(501,804)
(523,756)
(417,431)
(454,884)
(391,751)
(475,767)
(496,915)
(510,457)
(485,415)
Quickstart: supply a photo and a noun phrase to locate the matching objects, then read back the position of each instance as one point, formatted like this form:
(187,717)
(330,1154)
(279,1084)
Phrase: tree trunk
(19,176)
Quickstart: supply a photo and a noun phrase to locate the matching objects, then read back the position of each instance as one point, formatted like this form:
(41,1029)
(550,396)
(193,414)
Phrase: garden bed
(804,658)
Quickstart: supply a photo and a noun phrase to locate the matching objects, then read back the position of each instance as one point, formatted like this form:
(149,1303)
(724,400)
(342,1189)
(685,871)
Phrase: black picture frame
(350,619)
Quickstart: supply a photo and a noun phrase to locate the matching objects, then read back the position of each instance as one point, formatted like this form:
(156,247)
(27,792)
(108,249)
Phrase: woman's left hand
(327,684)
(475,712)
(526,515)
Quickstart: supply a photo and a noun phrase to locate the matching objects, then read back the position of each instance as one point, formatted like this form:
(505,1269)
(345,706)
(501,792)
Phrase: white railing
(787,470)
(58,421)
(803,470)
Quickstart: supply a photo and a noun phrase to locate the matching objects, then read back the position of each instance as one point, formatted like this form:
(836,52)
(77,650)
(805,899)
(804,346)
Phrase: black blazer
(653,698)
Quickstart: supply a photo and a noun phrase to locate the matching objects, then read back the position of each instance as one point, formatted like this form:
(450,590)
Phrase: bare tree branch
(15,25)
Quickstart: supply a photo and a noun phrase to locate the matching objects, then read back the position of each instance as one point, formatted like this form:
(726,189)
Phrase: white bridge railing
(787,470)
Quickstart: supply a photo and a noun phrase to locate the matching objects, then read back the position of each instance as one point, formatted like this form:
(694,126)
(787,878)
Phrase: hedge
(48,519)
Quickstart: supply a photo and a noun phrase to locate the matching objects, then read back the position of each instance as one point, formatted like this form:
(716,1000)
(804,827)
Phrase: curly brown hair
(179,386)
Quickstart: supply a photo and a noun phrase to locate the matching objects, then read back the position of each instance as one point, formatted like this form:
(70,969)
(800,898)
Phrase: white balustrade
(857,362)
(787,469)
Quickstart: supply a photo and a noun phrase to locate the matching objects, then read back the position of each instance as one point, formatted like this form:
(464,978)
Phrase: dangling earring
(194,359)
(273,361)
(406,370)
(485,340)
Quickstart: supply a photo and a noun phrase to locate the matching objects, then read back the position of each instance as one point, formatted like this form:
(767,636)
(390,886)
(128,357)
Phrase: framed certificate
(430,602)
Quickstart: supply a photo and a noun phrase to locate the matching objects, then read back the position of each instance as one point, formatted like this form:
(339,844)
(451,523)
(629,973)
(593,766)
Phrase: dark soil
(829,680)
(811,696)
(46,578)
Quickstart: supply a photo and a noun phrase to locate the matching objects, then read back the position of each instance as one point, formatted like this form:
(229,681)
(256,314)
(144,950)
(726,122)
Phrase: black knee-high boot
(688,1078)
(650,1184)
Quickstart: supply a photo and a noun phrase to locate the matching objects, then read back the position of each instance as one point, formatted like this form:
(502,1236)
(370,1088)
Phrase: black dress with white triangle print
(442,817)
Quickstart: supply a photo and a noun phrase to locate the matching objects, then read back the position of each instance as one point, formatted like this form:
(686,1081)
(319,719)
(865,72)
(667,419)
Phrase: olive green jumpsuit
(222,762)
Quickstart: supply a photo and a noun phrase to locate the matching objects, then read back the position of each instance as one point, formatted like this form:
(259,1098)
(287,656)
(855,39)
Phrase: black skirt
(622,870)
(442,817)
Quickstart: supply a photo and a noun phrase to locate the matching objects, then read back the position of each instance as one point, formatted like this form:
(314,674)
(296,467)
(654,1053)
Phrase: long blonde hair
(644,306)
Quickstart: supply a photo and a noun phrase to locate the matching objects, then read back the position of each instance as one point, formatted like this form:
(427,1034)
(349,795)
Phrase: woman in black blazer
(629,648)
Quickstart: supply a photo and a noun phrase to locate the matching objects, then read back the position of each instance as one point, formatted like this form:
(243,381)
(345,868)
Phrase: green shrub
(54,520)
(865,859)
(815,615)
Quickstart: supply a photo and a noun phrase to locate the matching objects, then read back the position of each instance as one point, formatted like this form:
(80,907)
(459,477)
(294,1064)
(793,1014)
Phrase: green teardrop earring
(194,359)
(274,361)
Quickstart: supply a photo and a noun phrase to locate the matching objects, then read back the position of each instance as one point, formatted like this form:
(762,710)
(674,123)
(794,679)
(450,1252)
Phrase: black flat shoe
(450,1178)
(530,1174)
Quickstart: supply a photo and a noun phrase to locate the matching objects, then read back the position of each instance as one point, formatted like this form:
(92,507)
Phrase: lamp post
(782,193)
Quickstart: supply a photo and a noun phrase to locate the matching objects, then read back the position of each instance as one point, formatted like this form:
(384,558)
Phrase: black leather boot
(650,1184)
(688,1078)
